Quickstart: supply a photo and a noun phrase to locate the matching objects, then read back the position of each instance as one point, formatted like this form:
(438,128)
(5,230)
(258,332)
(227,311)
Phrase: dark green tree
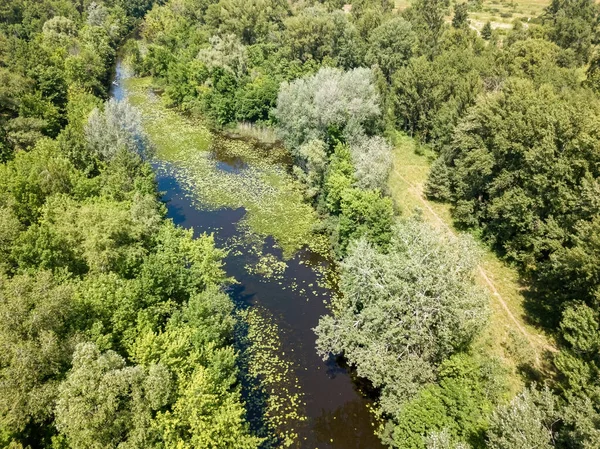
(460,20)
(486,31)
(573,25)
(391,45)
(428,17)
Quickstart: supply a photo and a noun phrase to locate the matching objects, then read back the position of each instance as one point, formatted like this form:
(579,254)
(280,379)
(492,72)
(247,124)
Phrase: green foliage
(402,312)
(579,362)
(82,237)
(486,31)
(458,407)
(338,177)
(541,61)
(251,21)
(90,271)
(365,213)
(528,421)
(319,35)
(329,105)
(438,182)
(391,45)
(573,25)
(429,17)
(460,19)
(40,317)
(312,165)
(207,411)
(256,100)
(372,158)
(103,403)
(47,47)
(28,180)
(431,96)
(537,136)
(593,74)
(117,128)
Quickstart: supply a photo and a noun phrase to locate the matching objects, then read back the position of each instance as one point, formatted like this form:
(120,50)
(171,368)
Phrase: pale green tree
(118,127)
(103,403)
(404,311)
(527,422)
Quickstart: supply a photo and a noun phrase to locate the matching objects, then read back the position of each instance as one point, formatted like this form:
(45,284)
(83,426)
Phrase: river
(336,414)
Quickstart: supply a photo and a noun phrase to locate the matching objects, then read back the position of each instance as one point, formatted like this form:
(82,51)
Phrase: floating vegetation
(270,386)
(170,132)
(268,266)
(222,172)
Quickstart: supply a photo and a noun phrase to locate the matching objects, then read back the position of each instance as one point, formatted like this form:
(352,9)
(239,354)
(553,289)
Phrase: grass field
(501,13)
(509,336)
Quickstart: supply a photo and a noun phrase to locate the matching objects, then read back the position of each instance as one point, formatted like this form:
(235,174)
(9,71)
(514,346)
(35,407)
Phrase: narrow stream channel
(337,414)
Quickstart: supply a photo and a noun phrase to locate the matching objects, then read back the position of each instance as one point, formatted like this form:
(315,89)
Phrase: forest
(120,328)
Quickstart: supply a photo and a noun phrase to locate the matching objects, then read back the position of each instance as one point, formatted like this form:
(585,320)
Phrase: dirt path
(490,285)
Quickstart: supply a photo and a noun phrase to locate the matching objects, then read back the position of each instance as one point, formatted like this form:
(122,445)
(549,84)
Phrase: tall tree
(574,25)
(429,18)
(460,19)
(402,312)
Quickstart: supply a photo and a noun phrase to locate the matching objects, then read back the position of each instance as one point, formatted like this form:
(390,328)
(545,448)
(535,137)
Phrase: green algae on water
(221,172)
(272,389)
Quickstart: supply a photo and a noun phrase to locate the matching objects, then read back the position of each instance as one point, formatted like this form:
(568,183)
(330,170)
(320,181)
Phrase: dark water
(337,415)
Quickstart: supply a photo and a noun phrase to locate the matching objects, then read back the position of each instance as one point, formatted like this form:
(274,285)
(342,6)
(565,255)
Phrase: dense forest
(116,328)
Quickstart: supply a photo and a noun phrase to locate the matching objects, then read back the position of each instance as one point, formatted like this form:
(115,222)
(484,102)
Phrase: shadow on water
(344,428)
(227,162)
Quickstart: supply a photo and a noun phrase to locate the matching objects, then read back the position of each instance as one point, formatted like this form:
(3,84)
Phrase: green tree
(257,99)
(40,317)
(338,177)
(226,52)
(372,159)
(486,31)
(312,165)
(365,213)
(208,411)
(391,45)
(329,105)
(430,97)
(460,19)
(528,421)
(118,127)
(319,35)
(454,412)
(402,312)
(30,178)
(429,18)
(251,21)
(573,25)
(437,186)
(100,236)
(105,404)
(512,135)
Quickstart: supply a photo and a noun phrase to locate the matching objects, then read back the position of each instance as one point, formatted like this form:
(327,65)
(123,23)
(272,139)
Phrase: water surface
(337,414)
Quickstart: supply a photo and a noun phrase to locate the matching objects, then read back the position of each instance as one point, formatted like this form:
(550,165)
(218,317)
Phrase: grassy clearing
(501,13)
(508,335)
(506,11)
(221,172)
